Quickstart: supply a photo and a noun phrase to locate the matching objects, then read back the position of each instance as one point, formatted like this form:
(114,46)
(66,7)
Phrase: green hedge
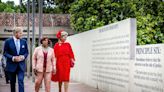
(91,14)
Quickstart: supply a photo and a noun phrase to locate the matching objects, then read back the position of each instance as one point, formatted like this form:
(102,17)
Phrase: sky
(15,1)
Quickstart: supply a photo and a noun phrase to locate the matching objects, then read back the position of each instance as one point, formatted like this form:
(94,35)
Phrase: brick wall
(20,19)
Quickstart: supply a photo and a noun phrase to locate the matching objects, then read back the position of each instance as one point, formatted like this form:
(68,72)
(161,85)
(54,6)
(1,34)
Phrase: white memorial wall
(148,69)
(106,58)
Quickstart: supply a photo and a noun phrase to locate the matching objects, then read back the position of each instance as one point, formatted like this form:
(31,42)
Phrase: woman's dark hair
(43,39)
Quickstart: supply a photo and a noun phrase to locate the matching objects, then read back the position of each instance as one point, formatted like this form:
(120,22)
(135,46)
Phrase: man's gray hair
(16,30)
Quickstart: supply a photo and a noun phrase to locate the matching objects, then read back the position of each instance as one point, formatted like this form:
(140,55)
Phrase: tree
(10,3)
(2,7)
(7,7)
(48,5)
(90,14)
(64,5)
(9,10)
(150,21)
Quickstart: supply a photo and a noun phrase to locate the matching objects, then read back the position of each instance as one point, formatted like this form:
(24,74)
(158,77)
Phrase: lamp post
(33,31)
(28,38)
(40,19)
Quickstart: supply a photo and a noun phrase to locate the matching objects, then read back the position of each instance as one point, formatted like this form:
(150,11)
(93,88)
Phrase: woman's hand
(54,71)
(72,63)
(35,72)
(73,60)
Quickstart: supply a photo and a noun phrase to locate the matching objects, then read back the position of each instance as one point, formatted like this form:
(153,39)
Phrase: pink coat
(38,59)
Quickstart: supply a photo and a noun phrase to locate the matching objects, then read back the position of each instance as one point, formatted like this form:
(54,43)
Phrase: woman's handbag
(72,64)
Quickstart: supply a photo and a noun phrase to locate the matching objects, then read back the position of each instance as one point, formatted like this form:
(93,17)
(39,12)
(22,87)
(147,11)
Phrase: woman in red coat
(65,60)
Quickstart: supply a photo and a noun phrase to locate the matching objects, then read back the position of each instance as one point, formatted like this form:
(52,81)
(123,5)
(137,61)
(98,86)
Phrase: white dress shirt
(15,41)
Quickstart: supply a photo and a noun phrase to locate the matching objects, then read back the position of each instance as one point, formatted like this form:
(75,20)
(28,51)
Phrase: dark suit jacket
(10,51)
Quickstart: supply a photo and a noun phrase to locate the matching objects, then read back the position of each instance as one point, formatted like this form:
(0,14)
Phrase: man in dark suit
(16,51)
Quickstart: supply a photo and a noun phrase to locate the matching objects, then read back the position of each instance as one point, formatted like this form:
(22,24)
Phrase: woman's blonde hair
(64,33)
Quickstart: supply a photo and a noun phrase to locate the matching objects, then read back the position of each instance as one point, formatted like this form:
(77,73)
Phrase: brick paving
(29,87)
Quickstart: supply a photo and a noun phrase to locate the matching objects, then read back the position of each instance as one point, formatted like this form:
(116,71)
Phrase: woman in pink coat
(44,63)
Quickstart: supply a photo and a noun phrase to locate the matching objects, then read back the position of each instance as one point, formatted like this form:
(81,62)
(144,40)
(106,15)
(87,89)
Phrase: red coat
(63,54)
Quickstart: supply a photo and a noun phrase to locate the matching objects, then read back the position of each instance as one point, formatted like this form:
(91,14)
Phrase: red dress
(63,54)
(45,60)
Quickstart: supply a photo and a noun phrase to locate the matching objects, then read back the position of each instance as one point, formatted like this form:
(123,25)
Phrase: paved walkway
(29,87)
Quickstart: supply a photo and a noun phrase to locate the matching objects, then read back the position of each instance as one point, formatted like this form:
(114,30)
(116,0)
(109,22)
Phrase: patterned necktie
(17,46)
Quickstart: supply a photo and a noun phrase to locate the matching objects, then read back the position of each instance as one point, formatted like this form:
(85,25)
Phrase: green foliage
(9,7)
(10,3)
(8,10)
(63,5)
(90,14)
(2,7)
(149,31)
(49,6)
(150,21)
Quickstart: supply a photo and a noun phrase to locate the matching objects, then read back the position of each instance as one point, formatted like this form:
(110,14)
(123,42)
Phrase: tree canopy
(91,14)
(9,7)
(49,6)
